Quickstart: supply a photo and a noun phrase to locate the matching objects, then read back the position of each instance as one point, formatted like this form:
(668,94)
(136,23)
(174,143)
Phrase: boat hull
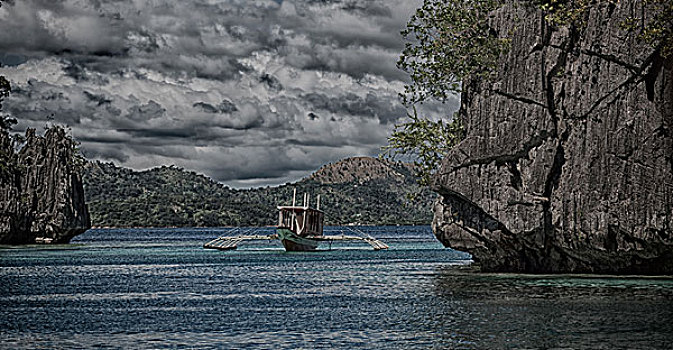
(294,243)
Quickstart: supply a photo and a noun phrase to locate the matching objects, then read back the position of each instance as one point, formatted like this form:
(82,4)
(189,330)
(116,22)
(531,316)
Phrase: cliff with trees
(563,161)
(41,192)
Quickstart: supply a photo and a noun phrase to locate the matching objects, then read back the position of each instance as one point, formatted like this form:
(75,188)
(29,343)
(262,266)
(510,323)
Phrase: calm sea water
(159,289)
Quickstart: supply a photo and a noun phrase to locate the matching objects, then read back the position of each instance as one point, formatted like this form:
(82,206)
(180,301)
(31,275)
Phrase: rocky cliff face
(361,169)
(567,165)
(41,194)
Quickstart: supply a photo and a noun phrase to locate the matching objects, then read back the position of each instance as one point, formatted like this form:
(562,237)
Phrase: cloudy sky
(248,92)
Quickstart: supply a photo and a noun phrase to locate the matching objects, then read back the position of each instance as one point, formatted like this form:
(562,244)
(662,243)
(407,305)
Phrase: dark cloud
(159,133)
(147,111)
(227,106)
(370,106)
(103,151)
(272,82)
(313,116)
(206,107)
(11,59)
(201,38)
(99,100)
(248,92)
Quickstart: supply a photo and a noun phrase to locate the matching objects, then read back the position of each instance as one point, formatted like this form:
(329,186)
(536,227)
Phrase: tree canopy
(449,42)
(5,88)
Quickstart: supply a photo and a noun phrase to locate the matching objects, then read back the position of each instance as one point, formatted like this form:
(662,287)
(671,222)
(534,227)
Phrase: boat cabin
(302,220)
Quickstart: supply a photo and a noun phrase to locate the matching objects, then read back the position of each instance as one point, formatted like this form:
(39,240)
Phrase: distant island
(359,191)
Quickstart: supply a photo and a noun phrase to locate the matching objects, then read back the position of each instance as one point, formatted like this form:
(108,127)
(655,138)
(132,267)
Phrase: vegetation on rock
(7,158)
(551,174)
(450,42)
(426,141)
(656,30)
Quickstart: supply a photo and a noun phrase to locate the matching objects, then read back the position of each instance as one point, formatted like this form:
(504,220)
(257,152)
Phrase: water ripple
(151,289)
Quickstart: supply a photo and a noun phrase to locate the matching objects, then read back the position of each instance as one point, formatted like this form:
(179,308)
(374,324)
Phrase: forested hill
(359,190)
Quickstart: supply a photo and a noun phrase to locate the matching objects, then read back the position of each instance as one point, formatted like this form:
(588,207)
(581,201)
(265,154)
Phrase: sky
(248,92)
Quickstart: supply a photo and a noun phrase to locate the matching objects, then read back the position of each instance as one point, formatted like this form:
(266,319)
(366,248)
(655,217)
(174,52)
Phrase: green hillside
(361,190)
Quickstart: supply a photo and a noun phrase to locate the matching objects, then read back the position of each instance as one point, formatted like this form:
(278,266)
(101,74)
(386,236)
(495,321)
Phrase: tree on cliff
(7,158)
(5,121)
(450,42)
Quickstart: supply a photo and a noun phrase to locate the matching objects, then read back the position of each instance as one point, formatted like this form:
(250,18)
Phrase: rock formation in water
(41,193)
(567,164)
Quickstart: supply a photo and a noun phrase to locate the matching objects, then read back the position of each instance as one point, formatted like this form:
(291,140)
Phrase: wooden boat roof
(298,208)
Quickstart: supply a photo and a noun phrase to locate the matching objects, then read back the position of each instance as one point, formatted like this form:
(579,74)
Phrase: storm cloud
(248,92)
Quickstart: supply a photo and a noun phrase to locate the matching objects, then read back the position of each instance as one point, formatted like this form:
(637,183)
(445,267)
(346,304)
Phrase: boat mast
(305,214)
(293,224)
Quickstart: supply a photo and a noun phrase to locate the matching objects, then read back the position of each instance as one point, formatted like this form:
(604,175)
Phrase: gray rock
(567,164)
(41,194)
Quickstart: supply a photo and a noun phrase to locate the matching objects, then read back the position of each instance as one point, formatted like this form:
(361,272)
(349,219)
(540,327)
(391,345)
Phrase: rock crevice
(592,189)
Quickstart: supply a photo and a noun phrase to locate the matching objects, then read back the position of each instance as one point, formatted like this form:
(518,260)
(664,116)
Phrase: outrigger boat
(300,228)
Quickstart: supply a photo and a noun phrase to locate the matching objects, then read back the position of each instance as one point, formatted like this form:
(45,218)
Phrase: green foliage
(5,88)
(10,168)
(7,156)
(173,197)
(656,30)
(426,141)
(75,158)
(449,41)
(565,12)
(7,162)
(452,41)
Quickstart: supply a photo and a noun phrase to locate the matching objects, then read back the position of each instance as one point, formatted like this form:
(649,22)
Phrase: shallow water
(159,289)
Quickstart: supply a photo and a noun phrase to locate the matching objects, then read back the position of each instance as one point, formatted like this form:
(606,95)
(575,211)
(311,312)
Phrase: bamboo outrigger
(300,228)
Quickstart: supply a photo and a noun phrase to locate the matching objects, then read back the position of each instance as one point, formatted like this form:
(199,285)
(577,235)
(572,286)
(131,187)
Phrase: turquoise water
(158,288)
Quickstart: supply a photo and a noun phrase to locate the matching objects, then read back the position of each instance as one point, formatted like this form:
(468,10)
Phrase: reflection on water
(558,311)
(126,289)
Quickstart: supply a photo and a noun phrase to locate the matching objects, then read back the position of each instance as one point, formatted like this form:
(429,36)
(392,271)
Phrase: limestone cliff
(567,164)
(41,193)
(361,169)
